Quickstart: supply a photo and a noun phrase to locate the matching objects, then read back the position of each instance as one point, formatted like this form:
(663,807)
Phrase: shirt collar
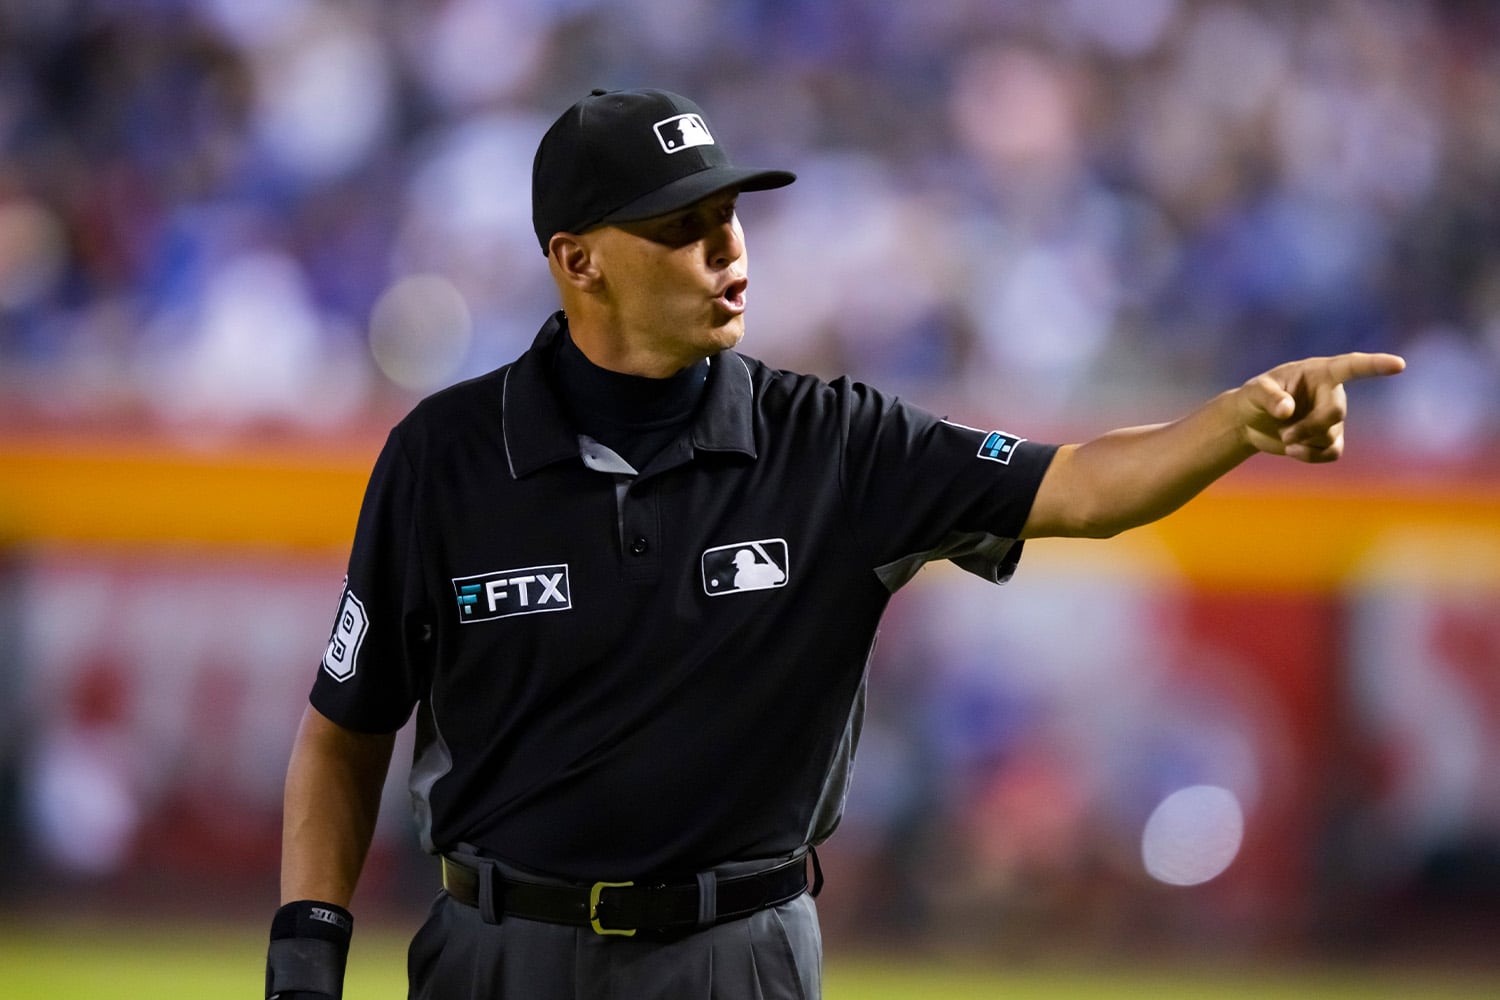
(725,420)
(537,432)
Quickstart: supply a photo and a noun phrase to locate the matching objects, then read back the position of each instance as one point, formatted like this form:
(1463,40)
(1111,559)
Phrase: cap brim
(685,190)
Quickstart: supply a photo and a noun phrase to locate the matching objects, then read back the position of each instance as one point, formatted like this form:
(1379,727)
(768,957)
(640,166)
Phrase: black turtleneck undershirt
(634,416)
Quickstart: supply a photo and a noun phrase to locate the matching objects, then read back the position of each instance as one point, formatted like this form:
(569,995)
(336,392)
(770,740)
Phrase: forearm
(1136,475)
(332,799)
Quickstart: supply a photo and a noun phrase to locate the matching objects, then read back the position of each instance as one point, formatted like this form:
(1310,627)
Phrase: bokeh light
(420,331)
(1193,835)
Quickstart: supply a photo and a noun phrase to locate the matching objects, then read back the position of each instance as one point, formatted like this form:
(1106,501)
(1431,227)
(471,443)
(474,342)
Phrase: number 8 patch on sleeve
(340,658)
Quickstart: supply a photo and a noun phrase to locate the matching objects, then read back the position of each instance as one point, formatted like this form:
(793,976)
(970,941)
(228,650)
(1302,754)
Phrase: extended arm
(1135,475)
(333,786)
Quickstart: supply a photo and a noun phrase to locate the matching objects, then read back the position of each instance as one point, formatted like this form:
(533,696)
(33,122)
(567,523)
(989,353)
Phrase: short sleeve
(373,669)
(921,488)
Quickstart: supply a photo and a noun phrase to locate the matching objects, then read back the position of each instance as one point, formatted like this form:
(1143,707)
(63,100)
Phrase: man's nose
(726,243)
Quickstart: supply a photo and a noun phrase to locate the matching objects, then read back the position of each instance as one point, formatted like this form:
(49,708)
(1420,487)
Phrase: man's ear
(573,261)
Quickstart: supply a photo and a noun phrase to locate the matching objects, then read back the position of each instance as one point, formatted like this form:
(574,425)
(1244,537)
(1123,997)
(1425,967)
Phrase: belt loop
(817,885)
(708,899)
(490,908)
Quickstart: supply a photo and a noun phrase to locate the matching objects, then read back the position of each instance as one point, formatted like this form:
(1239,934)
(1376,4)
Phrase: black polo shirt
(622,673)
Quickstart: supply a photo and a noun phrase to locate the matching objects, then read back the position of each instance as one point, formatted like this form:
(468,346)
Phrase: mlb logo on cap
(682,132)
(627,155)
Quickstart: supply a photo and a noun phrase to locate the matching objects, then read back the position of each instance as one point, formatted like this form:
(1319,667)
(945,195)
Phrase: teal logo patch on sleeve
(999,447)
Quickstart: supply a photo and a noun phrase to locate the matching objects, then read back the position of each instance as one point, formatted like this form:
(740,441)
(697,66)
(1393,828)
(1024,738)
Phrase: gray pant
(776,954)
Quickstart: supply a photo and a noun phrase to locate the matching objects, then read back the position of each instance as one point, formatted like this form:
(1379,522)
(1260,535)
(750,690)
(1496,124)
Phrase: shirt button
(639,546)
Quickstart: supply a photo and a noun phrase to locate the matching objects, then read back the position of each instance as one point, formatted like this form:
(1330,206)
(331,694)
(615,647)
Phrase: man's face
(676,283)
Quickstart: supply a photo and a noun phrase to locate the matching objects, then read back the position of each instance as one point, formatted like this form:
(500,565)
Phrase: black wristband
(309,948)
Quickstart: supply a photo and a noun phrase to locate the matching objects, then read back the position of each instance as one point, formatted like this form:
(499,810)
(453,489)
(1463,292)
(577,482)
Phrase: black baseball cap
(626,155)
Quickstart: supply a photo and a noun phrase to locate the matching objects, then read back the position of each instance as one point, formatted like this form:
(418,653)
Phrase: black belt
(624,908)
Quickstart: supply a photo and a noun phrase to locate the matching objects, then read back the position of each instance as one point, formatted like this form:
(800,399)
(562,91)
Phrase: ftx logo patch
(508,592)
(999,447)
(733,569)
(682,132)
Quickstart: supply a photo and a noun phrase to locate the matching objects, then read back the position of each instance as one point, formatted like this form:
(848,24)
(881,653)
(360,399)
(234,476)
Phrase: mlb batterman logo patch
(733,569)
(342,655)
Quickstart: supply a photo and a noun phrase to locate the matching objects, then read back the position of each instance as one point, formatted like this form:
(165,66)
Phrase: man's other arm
(332,798)
(1136,475)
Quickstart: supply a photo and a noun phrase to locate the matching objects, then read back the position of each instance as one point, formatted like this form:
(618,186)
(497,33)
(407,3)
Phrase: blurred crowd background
(296,209)
(272,221)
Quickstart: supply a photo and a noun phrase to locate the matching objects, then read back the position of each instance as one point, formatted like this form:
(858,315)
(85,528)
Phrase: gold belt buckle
(594,894)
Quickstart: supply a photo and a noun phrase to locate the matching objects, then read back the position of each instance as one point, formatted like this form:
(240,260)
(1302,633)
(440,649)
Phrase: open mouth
(732,297)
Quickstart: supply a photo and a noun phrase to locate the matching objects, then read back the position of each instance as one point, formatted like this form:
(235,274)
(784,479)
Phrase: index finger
(1357,365)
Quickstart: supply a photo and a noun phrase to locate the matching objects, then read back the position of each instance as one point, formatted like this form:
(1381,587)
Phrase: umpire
(629,584)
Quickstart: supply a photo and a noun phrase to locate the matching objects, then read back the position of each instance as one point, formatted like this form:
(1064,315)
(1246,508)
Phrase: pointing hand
(1297,409)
